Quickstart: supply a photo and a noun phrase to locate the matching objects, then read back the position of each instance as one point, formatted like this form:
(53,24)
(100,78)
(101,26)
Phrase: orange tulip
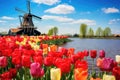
(95,79)
(99,62)
(80,74)
(45,48)
(53,48)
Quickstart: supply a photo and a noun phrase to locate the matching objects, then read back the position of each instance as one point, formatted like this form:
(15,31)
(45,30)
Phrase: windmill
(26,23)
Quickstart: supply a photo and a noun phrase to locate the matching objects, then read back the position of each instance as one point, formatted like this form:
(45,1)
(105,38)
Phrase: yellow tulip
(118,59)
(108,77)
(55,73)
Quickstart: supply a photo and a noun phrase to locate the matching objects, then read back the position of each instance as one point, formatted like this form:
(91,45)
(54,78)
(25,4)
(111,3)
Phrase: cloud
(85,21)
(69,20)
(114,21)
(47,2)
(61,9)
(110,10)
(1,21)
(57,18)
(8,18)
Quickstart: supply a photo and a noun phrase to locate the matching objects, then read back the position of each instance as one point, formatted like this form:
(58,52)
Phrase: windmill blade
(19,10)
(28,6)
(20,20)
(36,16)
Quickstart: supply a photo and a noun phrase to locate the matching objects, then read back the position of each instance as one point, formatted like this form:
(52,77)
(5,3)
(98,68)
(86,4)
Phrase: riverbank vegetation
(85,31)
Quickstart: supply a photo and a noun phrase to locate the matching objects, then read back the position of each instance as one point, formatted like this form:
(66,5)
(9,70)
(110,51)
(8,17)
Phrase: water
(111,46)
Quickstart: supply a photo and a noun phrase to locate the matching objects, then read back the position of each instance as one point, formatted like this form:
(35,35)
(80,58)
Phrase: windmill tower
(26,23)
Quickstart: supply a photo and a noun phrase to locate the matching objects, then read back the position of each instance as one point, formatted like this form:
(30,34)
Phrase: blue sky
(67,15)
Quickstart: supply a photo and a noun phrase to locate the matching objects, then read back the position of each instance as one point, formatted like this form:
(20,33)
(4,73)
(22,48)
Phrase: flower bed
(28,58)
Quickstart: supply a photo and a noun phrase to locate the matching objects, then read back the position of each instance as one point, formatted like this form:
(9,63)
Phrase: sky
(67,15)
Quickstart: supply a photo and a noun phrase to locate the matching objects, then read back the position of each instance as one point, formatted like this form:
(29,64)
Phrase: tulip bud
(118,59)
(108,77)
(93,53)
(101,53)
(86,52)
(55,74)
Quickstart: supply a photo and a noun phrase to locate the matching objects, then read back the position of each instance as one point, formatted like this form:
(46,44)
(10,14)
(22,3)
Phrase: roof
(14,30)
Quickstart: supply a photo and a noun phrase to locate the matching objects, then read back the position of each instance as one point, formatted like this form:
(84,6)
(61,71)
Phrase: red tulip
(16,57)
(3,61)
(63,64)
(86,53)
(74,58)
(38,59)
(101,53)
(26,61)
(48,61)
(9,74)
(81,55)
(116,72)
(81,64)
(93,53)
(63,50)
(70,51)
(13,72)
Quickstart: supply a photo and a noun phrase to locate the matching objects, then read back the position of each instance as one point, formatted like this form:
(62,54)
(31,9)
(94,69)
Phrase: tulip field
(41,58)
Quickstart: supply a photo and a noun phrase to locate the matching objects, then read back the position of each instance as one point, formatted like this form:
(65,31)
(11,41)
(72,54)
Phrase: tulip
(86,53)
(70,51)
(53,48)
(99,62)
(3,61)
(81,64)
(93,53)
(48,61)
(101,53)
(107,64)
(63,64)
(26,61)
(95,79)
(63,50)
(116,72)
(55,74)
(108,77)
(118,59)
(36,70)
(80,74)
(81,55)
(38,59)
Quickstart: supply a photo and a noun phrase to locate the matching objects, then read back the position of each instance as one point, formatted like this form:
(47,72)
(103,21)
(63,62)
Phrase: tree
(99,32)
(90,32)
(53,31)
(83,30)
(50,32)
(107,32)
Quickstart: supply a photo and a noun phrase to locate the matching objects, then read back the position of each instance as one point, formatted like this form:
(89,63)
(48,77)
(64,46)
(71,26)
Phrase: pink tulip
(35,70)
(3,61)
(101,53)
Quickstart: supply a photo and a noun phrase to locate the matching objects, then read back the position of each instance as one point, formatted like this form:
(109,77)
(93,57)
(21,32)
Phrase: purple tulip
(101,53)
(3,61)
(36,70)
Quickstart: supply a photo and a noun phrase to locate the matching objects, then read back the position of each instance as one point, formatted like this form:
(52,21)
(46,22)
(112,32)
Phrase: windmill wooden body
(26,23)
